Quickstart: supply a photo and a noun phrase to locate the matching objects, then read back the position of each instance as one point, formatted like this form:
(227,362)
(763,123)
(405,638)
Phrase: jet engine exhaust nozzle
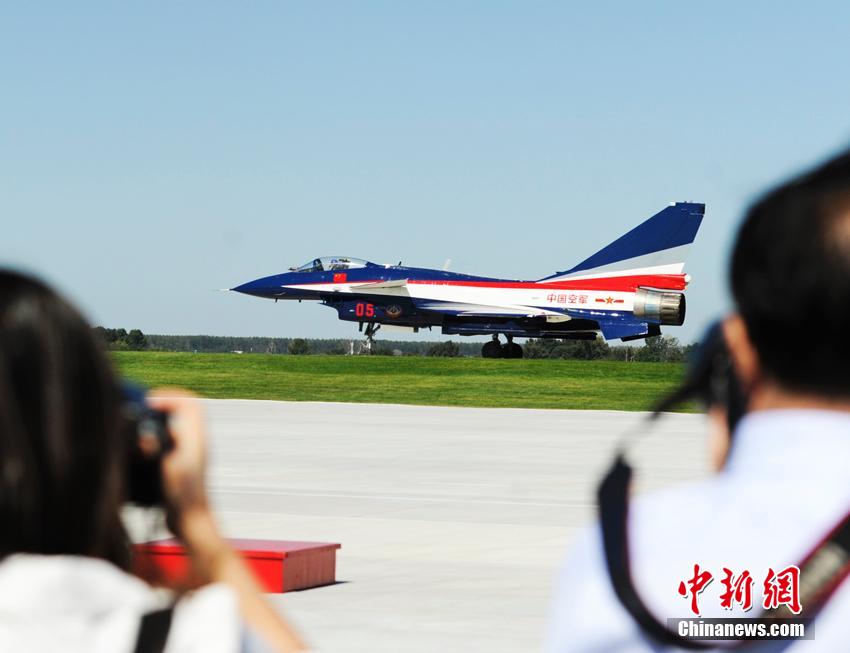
(659,306)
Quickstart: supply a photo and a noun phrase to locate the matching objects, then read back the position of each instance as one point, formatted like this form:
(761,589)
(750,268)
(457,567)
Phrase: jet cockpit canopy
(327,263)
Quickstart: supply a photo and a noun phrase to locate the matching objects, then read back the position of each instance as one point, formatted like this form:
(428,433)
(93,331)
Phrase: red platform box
(279,566)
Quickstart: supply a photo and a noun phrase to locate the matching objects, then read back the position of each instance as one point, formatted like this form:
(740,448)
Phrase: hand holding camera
(167,450)
(167,467)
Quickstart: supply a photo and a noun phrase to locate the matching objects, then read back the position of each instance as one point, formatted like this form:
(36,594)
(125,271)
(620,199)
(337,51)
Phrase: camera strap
(153,631)
(822,571)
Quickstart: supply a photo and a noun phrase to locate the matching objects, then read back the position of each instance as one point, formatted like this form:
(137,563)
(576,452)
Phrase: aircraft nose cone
(255,288)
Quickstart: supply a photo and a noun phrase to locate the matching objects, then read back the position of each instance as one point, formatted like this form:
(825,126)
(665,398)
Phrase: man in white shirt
(783,483)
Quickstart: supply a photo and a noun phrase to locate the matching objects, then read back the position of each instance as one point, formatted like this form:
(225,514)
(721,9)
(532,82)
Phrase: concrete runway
(453,520)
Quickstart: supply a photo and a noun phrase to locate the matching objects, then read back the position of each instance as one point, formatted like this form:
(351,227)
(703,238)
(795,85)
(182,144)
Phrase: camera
(147,440)
(710,380)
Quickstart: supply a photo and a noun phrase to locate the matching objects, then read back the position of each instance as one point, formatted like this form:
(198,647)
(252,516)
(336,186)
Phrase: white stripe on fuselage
(536,300)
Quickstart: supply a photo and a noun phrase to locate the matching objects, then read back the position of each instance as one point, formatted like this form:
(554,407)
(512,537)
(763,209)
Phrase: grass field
(610,385)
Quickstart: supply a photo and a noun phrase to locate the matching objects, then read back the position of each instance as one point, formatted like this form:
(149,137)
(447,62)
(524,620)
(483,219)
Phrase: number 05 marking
(364,310)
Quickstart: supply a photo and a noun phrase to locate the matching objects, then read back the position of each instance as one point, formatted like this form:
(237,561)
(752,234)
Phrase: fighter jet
(627,290)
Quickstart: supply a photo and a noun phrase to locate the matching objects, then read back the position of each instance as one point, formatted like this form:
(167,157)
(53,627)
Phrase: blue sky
(153,152)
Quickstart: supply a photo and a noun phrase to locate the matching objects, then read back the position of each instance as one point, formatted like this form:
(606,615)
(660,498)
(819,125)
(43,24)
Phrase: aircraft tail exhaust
(656,246)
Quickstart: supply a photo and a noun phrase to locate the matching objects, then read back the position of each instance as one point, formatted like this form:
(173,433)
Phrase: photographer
(65,558)
(783,485)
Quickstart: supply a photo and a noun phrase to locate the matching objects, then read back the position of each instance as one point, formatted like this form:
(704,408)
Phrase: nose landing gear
(370,331)
(495,349)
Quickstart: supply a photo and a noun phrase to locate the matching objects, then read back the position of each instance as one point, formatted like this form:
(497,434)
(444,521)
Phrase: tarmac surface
(452,521)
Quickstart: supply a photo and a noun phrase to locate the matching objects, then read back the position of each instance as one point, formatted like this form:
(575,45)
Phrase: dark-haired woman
(65,581)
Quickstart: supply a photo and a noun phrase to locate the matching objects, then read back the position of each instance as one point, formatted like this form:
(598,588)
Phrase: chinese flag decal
(340,277)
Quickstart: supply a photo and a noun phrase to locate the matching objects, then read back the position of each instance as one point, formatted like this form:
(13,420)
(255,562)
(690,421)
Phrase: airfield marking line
(379,497)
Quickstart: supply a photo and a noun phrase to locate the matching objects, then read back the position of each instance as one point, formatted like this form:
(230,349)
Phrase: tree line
(660,348)
(122,339)
(656,349)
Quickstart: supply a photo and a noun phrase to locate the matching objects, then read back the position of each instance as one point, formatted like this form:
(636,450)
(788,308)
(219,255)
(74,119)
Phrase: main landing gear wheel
(492,349)
(510,349)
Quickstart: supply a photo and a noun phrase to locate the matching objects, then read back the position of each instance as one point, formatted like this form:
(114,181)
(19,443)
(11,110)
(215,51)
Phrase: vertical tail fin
(657,246)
